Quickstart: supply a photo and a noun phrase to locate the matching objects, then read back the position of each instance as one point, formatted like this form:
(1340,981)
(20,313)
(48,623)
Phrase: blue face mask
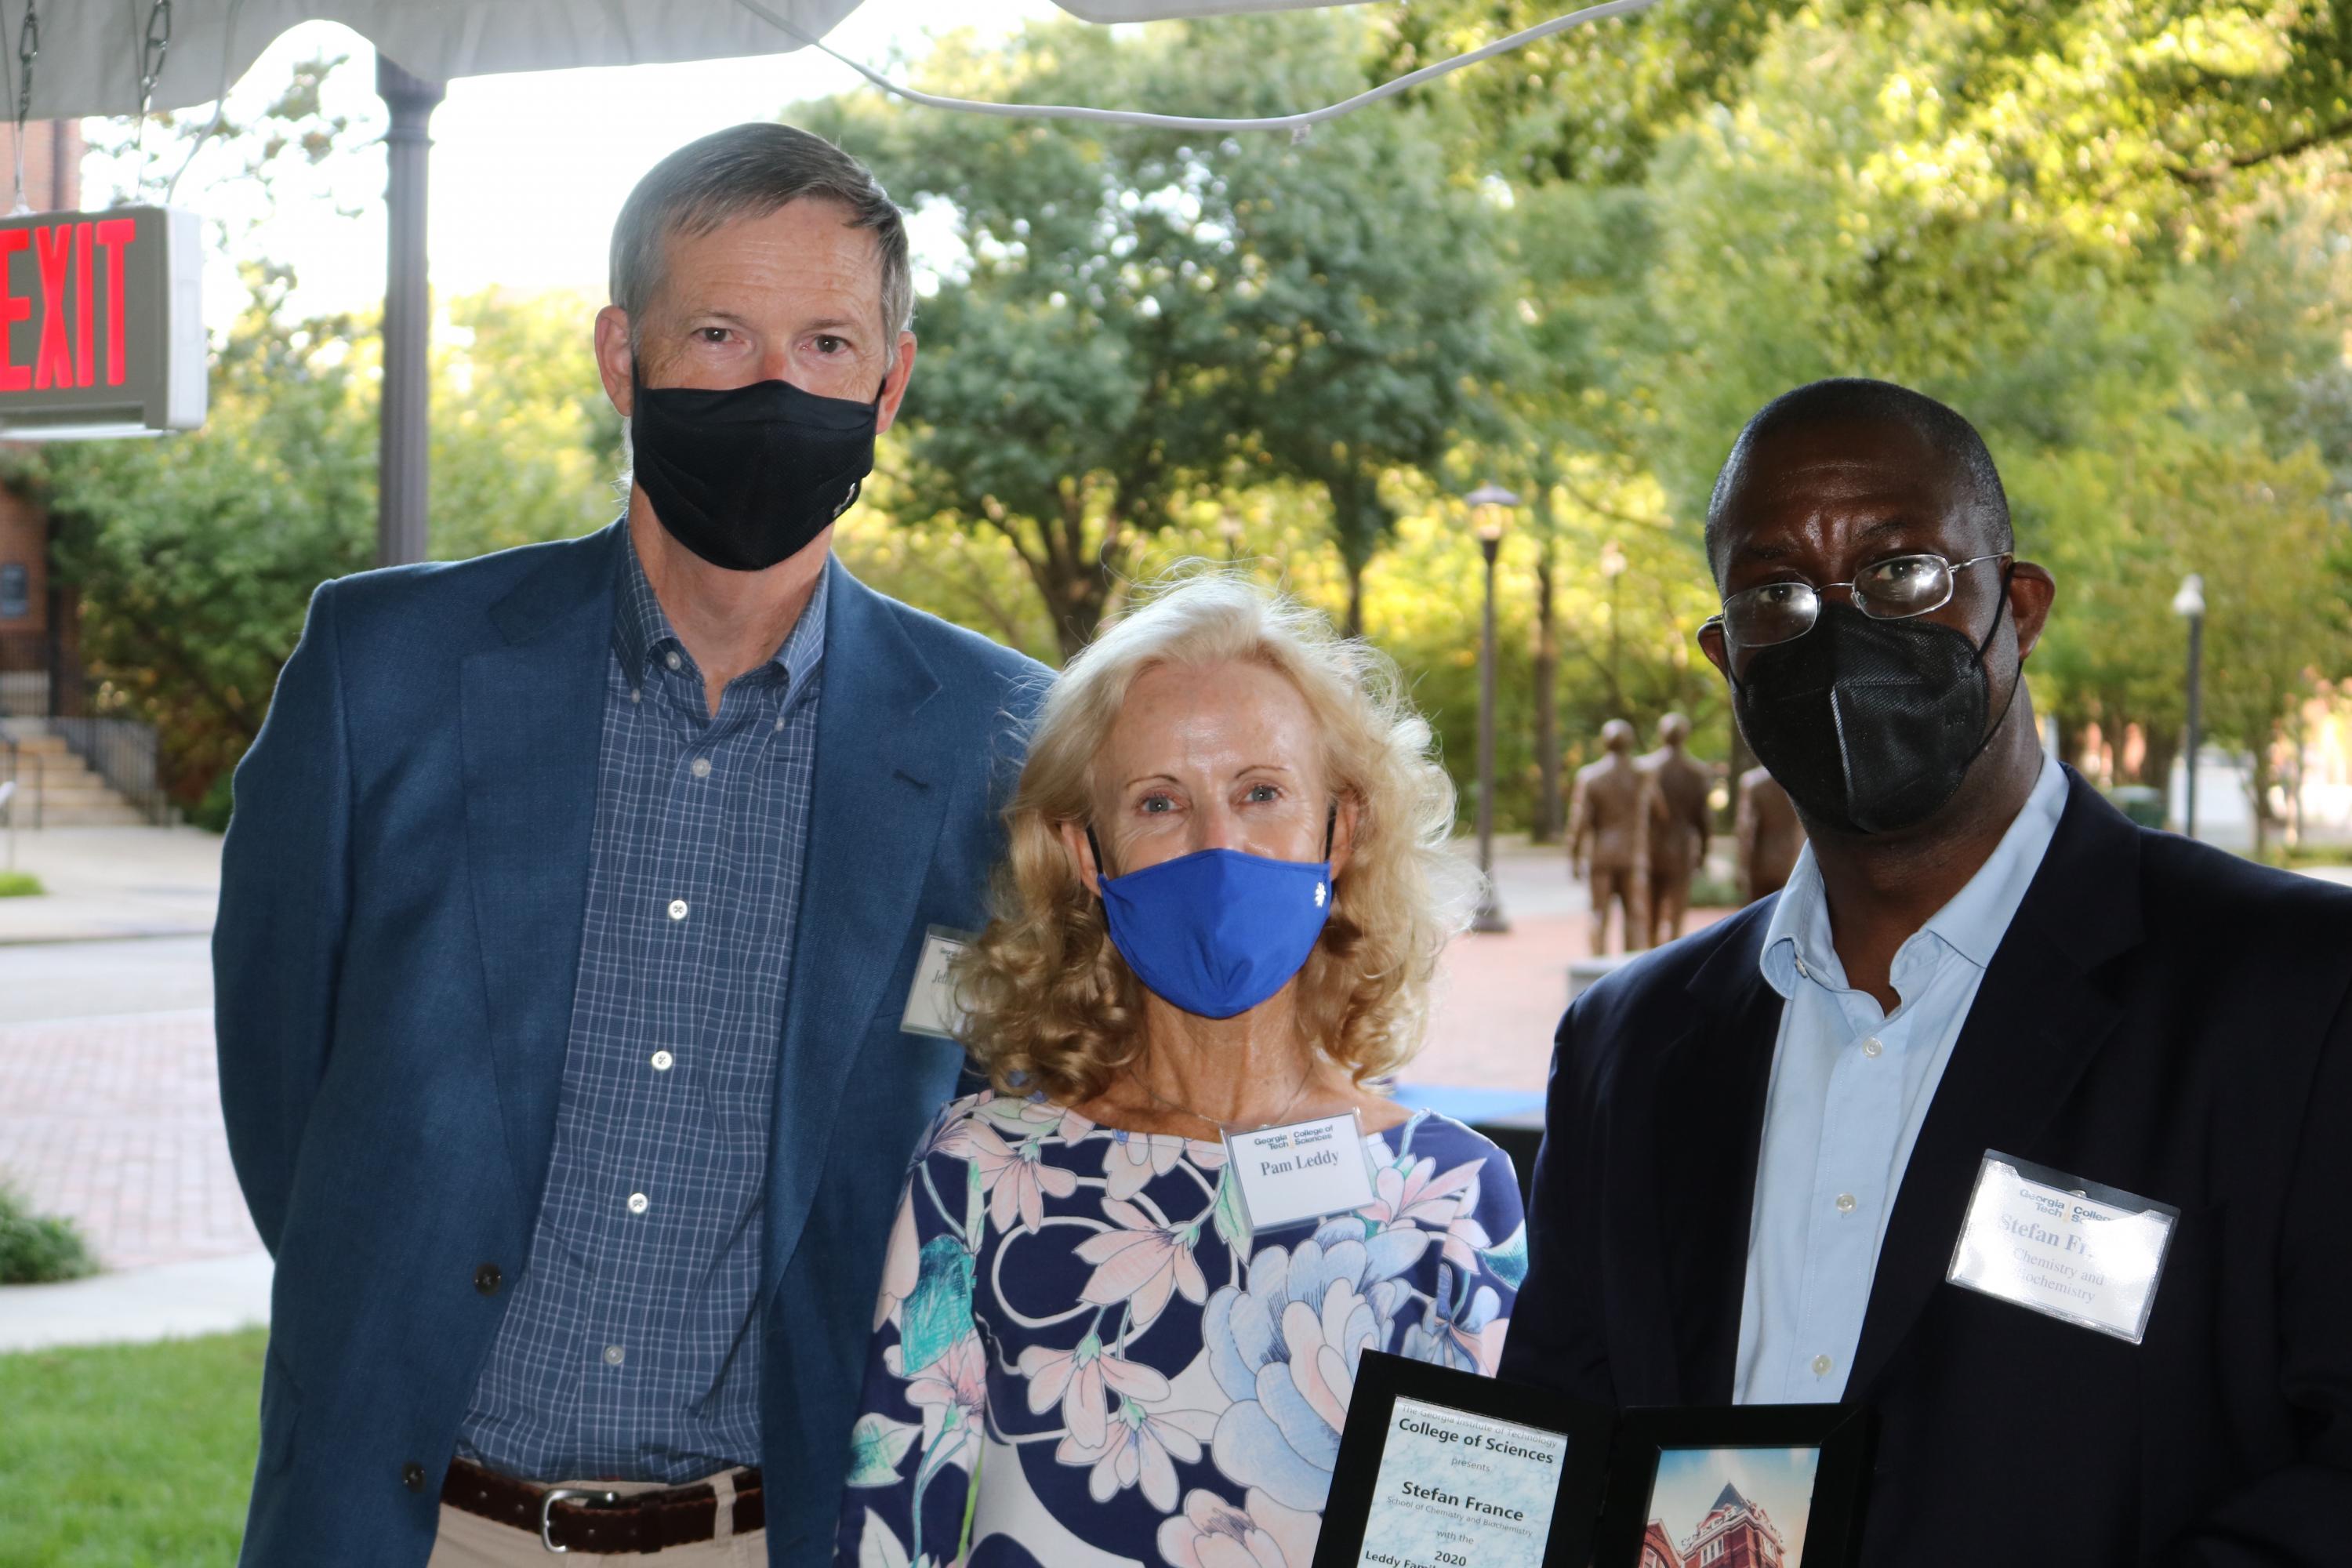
(1218,931)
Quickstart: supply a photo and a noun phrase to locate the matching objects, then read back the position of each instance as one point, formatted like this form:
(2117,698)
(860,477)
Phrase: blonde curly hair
(1049,1004)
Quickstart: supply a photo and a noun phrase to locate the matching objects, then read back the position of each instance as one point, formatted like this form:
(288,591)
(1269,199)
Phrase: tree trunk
(1354,626)
(1547,825)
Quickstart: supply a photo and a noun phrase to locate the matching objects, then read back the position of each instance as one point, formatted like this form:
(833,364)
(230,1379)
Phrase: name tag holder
(2086,1254)
(931,1006)
(1301,1172)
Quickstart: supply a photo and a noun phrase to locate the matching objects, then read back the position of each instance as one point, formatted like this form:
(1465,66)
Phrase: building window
(15,592)
(1714,1550)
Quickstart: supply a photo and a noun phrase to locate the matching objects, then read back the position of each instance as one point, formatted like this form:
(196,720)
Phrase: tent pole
(401,465)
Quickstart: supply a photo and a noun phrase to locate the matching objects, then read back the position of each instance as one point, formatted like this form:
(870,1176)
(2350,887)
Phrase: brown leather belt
(585,1519)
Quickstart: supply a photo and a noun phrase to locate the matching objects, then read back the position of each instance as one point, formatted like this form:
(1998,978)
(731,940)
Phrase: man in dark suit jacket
(1763,1141)
(570,910)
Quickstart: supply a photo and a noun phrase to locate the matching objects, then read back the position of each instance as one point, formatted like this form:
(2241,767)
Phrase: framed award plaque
(1767,1486)
(1441,1469)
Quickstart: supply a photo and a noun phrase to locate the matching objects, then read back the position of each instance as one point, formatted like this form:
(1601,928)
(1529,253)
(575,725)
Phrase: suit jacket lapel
(1708,1125)
(881,791)
(532,727)
(2037,1020)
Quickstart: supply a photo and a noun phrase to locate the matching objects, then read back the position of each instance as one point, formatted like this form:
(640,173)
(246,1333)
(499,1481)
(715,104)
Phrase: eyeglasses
(1893,589)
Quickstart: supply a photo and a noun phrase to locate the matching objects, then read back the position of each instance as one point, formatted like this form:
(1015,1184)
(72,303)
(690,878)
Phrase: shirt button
(663,1061)
(1845,1203)
(487,1278)
(1802,970)
(1820,1365)
(639,1203)
(674,661)
(615,1356)
(411,1475)
(1872,1045)
(701,768)
(677,909)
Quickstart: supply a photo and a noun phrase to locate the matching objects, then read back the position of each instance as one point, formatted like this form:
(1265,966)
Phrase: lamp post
(1490,506)
(2190,605)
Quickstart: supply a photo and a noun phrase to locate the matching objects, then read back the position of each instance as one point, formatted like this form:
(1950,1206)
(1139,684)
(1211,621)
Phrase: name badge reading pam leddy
(2068,1249)
(1302,1171)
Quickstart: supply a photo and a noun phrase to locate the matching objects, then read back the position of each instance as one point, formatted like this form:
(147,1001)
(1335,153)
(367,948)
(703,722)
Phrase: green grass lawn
(19,885)
(129,1456)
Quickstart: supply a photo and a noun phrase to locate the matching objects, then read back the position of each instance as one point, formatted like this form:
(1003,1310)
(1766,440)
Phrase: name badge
(2067,1248)
(1302,1171)
(931,1006)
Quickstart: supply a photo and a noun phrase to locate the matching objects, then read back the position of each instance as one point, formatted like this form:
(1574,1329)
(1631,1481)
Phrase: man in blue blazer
(572,904)
(1856,1142)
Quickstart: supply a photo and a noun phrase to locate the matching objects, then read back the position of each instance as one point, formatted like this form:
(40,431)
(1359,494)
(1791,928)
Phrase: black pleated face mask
(748,476)
(1870,725)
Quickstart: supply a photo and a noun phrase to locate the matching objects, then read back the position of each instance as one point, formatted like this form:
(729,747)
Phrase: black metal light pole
(402,472)
(2189,603)
(1489,503)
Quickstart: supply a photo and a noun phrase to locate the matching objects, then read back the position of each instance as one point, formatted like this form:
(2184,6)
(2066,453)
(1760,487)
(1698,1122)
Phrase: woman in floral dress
(1083,1353)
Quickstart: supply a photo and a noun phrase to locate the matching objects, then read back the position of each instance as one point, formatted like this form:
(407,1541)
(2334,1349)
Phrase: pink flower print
(1131,1160)
(951,1393)
(1212,1534)
(1078,1377)
(1015,1180)
(1140,1263)
(1444,1204)
(1140,1449)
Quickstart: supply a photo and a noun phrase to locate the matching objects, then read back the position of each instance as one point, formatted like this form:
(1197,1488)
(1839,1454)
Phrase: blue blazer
(2160,1017)
(399,934)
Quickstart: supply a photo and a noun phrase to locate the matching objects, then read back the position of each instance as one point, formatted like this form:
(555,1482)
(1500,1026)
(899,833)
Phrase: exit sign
(101,324)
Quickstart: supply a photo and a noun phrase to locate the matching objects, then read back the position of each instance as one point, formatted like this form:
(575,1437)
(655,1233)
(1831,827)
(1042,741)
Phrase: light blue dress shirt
(1851,1085)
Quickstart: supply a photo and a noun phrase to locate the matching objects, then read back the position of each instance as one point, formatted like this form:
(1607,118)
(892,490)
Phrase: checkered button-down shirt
(629,1350)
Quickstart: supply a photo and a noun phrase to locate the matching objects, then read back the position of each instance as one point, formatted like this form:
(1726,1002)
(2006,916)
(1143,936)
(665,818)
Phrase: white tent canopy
(93,53)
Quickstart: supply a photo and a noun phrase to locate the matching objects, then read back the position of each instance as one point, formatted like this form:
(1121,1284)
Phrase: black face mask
(1870,725)
(747,476)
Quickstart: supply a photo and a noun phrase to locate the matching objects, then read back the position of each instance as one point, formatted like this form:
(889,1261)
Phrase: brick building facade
(1736,1533)
(39,626)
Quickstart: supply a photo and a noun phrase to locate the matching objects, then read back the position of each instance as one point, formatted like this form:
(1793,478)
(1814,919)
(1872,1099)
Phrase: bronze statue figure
(1674,828)
(1604,817)
(1768,836)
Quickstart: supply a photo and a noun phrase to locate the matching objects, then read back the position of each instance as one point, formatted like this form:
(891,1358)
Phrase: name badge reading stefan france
(2066,1248)
(1302,1171)
(931,1001)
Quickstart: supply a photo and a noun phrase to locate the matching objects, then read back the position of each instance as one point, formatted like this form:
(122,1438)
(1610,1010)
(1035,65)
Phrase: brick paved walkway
(116,1123)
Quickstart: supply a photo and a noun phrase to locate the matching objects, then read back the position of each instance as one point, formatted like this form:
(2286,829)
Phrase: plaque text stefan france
(1467,1504)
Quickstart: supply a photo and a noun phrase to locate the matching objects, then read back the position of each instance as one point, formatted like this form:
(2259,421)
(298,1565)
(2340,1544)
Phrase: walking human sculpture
(1674,825)
(1604,817)
(1768,836)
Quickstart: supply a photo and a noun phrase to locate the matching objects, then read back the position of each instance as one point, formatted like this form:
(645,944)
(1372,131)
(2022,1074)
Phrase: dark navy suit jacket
(2161,1017)
(399,934)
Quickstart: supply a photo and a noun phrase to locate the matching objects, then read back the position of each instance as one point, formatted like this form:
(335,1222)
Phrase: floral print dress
(1082,1358)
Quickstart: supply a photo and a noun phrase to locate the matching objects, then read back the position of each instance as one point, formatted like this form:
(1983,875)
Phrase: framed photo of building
(1442,1468)
(1754,1485)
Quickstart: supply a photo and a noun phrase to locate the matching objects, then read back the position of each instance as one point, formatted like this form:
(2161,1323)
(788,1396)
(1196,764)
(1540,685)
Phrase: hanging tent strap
(1297,125)
(20,97)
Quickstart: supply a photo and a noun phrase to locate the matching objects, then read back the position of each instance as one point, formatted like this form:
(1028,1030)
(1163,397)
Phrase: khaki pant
(469,1540)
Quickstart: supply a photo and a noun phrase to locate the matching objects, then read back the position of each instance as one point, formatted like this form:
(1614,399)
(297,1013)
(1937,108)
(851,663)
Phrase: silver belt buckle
(547,1511)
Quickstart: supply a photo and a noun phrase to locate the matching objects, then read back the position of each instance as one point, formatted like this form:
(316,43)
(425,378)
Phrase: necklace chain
(1167,1104)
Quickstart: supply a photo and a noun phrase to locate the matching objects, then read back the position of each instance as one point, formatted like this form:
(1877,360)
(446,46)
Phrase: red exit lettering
(62,255)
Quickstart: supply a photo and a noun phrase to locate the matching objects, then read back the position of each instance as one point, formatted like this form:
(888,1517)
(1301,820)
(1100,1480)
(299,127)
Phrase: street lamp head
(2190,601)
(1490,505)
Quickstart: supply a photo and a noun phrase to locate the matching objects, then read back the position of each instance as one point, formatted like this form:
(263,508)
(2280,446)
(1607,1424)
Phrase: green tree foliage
(1137,319)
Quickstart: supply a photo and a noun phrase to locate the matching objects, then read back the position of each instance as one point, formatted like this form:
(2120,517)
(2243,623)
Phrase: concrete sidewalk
(108,883)
(170,1300)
